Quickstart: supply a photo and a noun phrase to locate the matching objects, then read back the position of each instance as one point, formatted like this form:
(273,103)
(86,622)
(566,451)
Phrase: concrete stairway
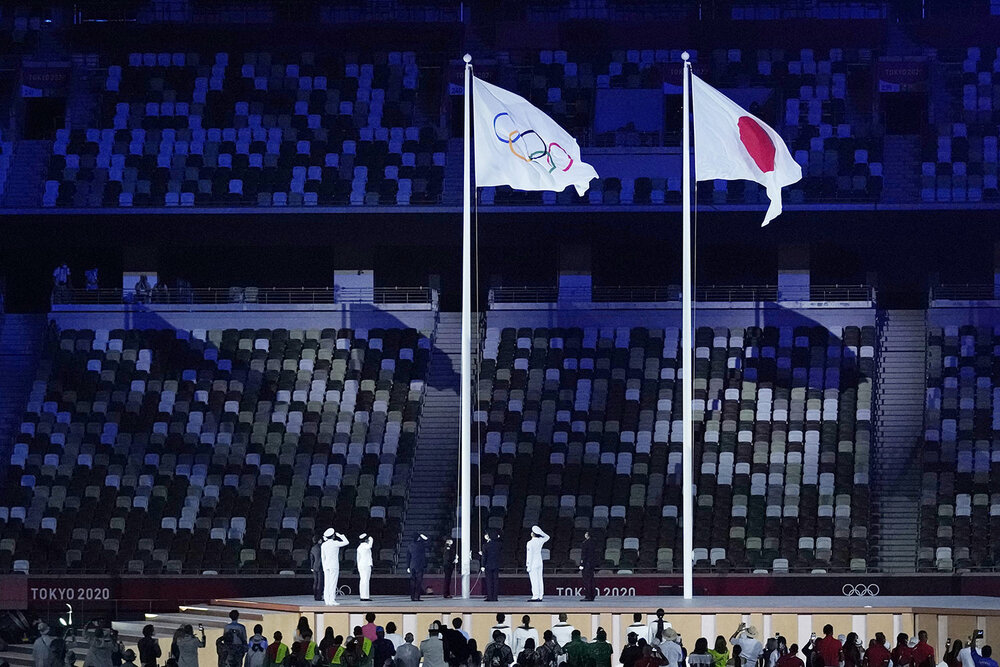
(451,194)
(901,169)
(22,338)
(82,101)
(434,480)
(27,174)
(899,410)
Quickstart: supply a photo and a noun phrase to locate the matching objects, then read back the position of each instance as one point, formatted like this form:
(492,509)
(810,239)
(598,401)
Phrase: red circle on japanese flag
(758,143)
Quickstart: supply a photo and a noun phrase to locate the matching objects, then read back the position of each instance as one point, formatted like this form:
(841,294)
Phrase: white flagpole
(687,344)
(465,447)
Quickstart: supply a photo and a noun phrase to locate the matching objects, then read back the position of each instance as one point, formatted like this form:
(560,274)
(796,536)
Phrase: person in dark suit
(316,565)
(455,645)
(490,561)
(416,563)
(448,559)
(588,563)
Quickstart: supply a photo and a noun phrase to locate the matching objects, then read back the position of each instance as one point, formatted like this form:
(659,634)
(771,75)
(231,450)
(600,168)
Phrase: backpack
(234,642)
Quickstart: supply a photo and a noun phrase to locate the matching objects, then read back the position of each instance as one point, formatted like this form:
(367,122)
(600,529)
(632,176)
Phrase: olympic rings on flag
(860,590)
(553,155)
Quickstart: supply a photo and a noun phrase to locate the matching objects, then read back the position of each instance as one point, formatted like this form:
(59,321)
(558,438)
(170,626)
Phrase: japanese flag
(731,144)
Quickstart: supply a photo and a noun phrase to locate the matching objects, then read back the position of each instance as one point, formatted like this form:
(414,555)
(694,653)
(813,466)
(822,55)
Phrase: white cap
(536,529)
(330,532)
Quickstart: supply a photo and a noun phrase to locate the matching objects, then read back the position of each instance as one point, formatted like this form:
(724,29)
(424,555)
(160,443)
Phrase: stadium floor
(793,617)
(733,604)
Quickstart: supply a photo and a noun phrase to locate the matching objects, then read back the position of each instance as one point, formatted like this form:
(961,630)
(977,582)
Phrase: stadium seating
(960,156)
(149,451)
(960,509)
(186,129)
(580,429)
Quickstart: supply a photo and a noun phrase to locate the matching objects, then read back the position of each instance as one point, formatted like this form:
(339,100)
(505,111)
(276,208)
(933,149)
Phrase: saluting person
(533,563)
(364,556)
(332,543)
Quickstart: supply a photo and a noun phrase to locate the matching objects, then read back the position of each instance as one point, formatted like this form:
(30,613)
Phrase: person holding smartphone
(967,655)
(188,645)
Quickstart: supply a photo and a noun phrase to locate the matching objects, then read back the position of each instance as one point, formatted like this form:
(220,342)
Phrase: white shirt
(640,630)
(396,640)
(521,636)
(672,652)
(751,649)
(563,633)
(651,637)
(331,552)
(365,555)
(533,557)
(965,655)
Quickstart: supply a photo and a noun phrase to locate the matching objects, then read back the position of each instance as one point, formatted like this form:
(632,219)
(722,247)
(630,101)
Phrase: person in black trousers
(588,563)
(316,565)
(490,562)
(416,563)
(448,559)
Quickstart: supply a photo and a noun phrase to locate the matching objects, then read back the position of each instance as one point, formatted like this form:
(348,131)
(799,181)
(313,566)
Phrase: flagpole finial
(685,56)
(467,57)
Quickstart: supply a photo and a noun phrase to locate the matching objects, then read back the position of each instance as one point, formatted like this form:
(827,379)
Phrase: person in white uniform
(365,567)
(332,543)
(656,628)
(562,630)
(533,563)
(523,633)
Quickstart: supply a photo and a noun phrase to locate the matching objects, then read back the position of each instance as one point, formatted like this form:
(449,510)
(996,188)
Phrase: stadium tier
(148,451)
(959,508)
(581,429)
(343,129)
(186,129)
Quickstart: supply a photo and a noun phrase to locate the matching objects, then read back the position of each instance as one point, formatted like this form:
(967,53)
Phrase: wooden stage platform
(793,617)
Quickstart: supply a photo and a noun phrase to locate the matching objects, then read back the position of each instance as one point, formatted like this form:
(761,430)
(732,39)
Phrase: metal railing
(670,293)
(966,292)
(241,295)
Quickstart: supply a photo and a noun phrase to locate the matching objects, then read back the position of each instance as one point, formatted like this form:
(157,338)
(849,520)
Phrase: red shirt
(902,656)
(877,656)
(922,652)
(829,648)
(789,660)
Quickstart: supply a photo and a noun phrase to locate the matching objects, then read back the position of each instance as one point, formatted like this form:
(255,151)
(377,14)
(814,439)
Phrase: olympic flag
(518,145)
(731,144)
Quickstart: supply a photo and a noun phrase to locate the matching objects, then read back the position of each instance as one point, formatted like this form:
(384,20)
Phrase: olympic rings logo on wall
(529,146)
(861,590)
